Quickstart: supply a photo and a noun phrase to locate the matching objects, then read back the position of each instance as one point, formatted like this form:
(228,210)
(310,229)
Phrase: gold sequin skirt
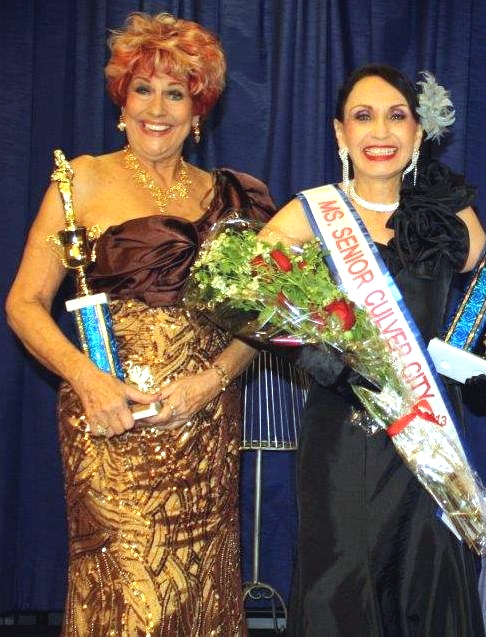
(153,514)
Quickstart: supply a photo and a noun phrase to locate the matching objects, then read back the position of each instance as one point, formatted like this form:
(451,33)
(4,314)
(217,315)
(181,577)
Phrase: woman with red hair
(152,508)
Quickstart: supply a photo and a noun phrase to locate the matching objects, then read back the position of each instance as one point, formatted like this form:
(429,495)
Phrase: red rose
(318,319)
(258,261)
(344,311)
(283,300)
(282,260)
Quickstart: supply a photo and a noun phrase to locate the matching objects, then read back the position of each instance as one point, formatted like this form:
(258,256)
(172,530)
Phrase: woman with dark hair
(152,508)
(374,559)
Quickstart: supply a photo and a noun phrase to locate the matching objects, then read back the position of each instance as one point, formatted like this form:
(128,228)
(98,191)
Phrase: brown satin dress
(153,514)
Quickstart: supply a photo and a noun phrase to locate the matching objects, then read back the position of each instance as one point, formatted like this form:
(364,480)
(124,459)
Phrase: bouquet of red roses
(283,295)
(280,295)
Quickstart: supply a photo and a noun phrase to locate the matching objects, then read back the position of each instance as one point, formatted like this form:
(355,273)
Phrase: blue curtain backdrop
(286,60)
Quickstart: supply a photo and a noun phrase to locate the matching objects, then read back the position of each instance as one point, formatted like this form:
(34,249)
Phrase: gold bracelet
(224,379)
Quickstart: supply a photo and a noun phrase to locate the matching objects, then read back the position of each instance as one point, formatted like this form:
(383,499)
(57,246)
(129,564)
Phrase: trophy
(91,311)
(459,354)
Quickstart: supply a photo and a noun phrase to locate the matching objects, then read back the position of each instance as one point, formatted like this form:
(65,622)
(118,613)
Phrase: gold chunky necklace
(178,190)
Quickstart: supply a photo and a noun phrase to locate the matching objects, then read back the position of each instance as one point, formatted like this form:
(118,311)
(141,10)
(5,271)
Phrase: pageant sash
(360,271)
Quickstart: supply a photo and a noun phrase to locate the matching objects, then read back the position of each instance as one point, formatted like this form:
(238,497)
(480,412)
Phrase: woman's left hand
(184,397)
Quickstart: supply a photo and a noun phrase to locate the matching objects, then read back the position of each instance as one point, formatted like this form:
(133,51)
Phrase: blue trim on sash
(390,283)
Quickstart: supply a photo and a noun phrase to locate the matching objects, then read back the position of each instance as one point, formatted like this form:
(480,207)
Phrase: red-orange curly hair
(180,48)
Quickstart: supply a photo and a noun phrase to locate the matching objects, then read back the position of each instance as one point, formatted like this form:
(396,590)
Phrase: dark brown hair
(392,76)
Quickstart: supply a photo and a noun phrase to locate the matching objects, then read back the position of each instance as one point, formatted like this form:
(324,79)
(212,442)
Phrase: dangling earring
(196,131)
(344,157)
(121,123)
(412,166)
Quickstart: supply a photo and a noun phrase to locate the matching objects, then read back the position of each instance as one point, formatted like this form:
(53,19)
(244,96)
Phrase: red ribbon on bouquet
(416,412)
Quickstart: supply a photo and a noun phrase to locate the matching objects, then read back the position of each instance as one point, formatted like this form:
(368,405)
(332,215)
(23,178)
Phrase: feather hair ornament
(435,109)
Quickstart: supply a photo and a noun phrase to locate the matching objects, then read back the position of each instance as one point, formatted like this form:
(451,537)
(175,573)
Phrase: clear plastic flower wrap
(278,294)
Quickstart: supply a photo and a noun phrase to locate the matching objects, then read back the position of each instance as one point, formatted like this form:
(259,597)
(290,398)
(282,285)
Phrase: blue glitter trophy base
(456,355)
(95,333)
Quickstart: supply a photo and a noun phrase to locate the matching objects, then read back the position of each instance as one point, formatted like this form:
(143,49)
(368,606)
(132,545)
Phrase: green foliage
(239,282)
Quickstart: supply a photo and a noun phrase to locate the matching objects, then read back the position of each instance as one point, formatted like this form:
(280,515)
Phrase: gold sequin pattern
(153,514)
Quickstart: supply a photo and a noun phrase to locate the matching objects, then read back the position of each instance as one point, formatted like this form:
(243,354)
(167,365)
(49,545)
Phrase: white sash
(361,273)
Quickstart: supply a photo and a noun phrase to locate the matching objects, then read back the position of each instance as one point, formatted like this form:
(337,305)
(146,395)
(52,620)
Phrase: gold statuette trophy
(91,311)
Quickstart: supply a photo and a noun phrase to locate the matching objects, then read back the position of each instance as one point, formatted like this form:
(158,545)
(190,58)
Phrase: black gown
(374,560)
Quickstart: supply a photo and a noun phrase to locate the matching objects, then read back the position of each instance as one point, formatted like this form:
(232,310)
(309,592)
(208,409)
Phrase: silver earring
(344,157)
(412,166)
(121,123)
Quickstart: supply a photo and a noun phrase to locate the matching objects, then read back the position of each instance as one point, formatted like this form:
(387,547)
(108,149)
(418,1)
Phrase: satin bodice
(149,258)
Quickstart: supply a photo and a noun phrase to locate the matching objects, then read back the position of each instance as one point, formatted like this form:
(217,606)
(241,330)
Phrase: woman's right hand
(105,400)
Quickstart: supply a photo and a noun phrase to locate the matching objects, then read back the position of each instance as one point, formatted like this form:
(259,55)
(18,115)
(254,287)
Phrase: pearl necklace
(370,205)
(178,190)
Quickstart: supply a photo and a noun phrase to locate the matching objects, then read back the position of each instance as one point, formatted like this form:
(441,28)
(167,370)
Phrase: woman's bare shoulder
(89,166)
(290,221)
(93,174)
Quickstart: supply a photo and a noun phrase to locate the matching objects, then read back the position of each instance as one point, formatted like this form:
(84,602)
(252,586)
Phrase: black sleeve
(325,364)
(474,394)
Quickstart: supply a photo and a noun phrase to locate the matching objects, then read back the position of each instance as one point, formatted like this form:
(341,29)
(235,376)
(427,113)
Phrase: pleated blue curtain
(286,60)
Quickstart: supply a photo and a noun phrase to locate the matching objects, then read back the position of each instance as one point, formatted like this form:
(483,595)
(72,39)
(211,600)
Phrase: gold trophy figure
(73,240)
(91,311)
